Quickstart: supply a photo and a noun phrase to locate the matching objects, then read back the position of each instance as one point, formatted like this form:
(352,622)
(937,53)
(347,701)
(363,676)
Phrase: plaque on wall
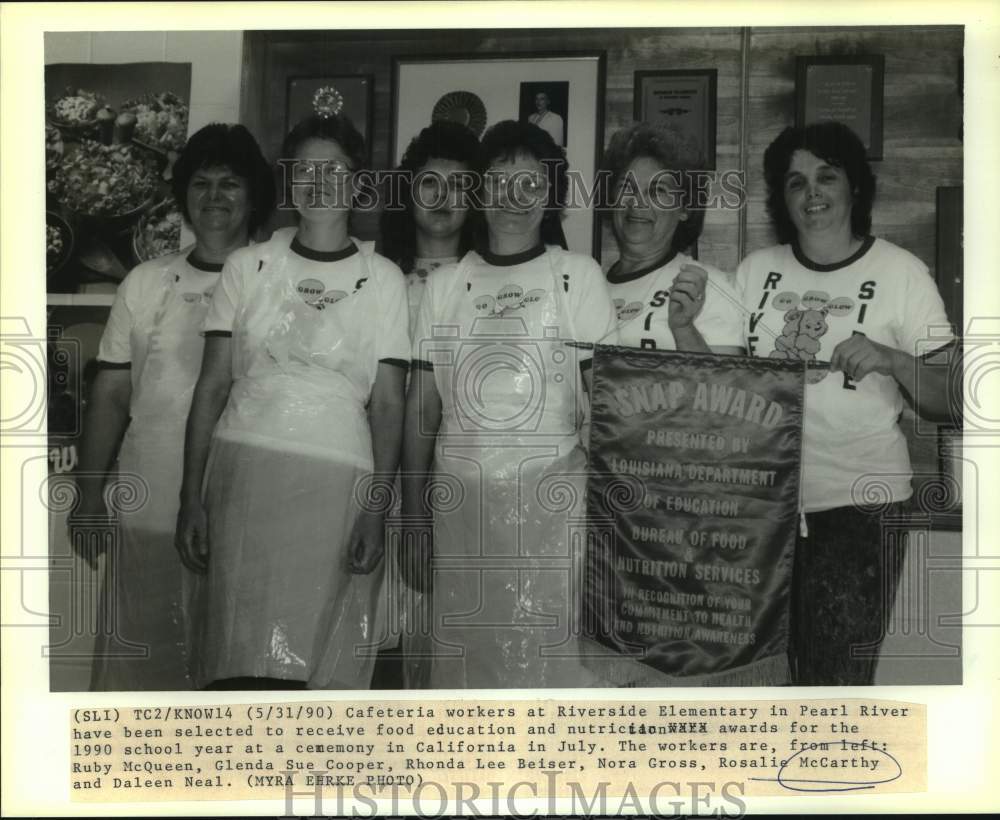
(845,89)
(684,101)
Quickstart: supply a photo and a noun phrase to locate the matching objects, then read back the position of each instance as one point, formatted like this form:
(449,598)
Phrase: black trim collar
(806,262)
(499,260)
(208,267)
(322,256)
(621,278)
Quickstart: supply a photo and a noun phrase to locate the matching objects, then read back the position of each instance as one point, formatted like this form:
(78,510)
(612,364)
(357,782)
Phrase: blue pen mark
(813,784)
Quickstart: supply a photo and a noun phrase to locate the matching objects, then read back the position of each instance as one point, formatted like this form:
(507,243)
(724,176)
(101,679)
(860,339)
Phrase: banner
(693,500)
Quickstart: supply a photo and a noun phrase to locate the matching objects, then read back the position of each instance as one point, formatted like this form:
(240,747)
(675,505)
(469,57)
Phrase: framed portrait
(356,90)
(564,93)
(684,100)
(546,104)
(845,89)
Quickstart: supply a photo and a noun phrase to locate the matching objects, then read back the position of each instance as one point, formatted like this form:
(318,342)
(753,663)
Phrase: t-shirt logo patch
(191,298)
(627,312)
(310,289)
(314,292)
(331,297)
(509,298)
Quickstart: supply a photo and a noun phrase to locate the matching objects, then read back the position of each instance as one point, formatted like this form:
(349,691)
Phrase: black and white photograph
(449,361)
(112,132)
(322,410)
(544,104)
(480,89)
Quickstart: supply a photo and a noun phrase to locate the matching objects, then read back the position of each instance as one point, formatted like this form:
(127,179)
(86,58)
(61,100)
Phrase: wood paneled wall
(922,107)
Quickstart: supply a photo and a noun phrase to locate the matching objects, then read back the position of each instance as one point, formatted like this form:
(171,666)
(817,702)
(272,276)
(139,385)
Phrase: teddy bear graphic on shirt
(800,338)
(807,321)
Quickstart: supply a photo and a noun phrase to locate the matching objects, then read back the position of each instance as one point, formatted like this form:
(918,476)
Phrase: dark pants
(843,587)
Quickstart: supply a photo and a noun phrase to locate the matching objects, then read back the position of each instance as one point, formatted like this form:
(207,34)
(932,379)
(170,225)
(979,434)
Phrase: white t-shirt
(549,121)
(796,309)
(642,300)
(130,335)
(416,282)
(320,279)
(508,284)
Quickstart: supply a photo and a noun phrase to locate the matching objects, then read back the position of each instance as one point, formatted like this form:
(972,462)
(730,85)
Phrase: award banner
(693,503)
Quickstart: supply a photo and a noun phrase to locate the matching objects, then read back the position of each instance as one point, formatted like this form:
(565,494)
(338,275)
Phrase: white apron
(510,468)
(279,600)
(151,586)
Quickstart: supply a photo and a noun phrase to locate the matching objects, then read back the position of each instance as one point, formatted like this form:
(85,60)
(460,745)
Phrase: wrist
(687,337)
(901,365)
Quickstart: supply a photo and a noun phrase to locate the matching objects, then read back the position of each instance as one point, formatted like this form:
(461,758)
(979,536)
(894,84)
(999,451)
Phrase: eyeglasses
(331,170)
(522,186)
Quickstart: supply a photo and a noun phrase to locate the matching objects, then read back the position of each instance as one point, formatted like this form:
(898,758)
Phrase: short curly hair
(674,153)
(231,146)
(509,139)
(835,144)
(439,140)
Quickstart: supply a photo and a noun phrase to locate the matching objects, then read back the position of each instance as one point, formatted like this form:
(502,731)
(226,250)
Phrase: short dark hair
(668,148)
(439,140)
(233,147)
(510,138)
(336,127)
(835,144)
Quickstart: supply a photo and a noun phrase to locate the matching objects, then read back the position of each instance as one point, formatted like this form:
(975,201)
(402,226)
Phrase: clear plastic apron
(152,587)
(280,489)
(509,471)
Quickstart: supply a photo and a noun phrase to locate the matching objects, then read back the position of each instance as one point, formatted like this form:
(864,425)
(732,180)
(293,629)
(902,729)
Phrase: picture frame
(93,247)
(483,89)
(848,89)
(682,99)
(949,271)
(358,91)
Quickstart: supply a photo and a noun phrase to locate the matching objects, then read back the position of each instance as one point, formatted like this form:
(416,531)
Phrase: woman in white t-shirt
(295,428)
(429,227)
(496,401)
(832,293)
(149,358)
(424,227)
(664,299)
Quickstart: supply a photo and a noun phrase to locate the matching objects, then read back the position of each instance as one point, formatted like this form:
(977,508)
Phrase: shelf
(79,299)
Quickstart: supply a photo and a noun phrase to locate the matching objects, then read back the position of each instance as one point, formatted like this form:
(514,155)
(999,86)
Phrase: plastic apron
(151,586)
(278,599)
(510,479)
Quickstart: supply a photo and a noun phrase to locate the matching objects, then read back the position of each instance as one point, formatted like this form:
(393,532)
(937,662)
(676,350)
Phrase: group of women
(273,394)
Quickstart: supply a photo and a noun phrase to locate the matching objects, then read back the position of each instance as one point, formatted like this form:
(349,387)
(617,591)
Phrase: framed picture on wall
(845,89)
(106,121)
(356,91)
(949,266)
(683,100)
(562,93)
